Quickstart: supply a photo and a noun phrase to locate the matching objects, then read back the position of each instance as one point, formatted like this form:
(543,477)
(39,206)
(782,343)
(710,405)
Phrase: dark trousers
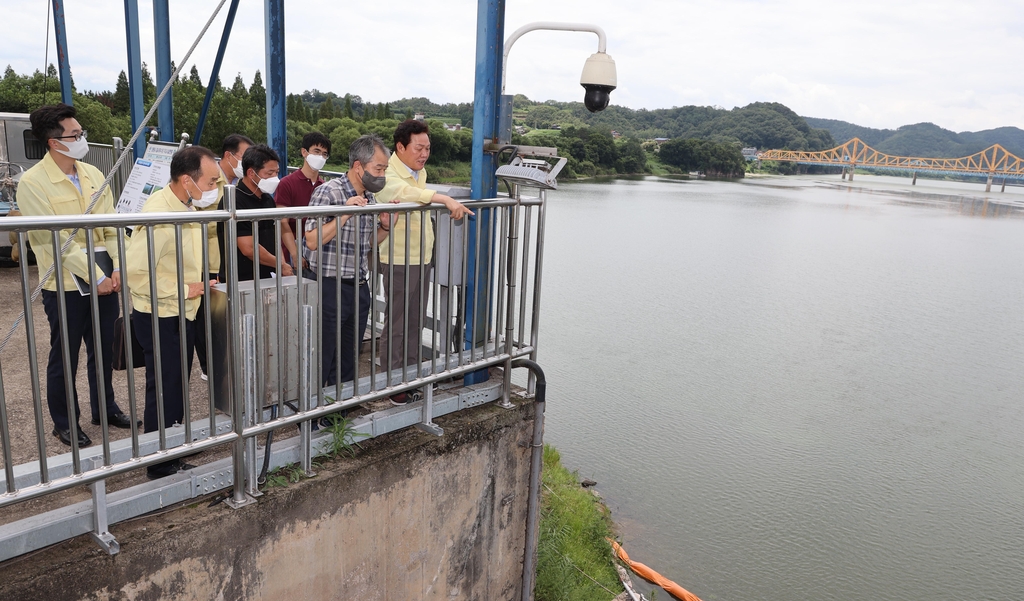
(200,336)
(79,323)
(400,340)
(174,388)
(342,310)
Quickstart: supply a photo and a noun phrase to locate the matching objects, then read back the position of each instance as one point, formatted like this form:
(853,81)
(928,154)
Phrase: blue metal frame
(216,70)
(162,37)
(490,36)
(131,20)
(60,33)
(277,114)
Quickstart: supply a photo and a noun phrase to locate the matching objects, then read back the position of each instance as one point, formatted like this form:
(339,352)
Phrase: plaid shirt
(334,194)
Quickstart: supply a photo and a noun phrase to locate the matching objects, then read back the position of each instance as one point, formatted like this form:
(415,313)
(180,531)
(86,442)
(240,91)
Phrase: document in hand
(105,263)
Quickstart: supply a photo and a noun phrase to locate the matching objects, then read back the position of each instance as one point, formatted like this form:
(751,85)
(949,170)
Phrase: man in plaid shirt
(345,241)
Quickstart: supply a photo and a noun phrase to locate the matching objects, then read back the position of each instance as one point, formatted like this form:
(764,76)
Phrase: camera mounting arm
(550,26)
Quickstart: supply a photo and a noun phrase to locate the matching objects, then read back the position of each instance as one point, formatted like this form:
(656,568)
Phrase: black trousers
(174,389)
(341,310)
(79,323)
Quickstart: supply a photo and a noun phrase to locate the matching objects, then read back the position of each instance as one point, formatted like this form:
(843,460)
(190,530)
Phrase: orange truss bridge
(993,161)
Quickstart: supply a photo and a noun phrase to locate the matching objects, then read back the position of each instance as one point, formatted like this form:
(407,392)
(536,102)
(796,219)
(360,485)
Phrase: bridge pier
(988,184)
(851,172)
(1003,189)
(844,173)
(914,183)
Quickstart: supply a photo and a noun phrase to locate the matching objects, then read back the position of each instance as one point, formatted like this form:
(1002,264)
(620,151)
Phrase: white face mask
(77,149)
(316,162)
(208,198)
(238,170)
(269,185)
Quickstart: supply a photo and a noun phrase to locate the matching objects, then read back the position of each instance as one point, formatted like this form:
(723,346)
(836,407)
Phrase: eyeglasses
(76,137)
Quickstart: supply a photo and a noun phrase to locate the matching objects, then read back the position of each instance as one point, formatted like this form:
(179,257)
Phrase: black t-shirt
(244,200)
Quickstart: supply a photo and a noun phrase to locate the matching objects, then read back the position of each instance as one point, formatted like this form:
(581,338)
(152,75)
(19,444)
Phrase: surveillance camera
(598,80)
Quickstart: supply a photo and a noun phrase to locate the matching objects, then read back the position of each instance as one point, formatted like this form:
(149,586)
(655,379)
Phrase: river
(788,388)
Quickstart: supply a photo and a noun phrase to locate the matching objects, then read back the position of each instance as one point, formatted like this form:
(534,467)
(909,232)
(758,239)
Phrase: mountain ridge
(923,139)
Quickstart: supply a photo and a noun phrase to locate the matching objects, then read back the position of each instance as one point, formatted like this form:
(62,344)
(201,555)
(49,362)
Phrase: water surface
(791,389)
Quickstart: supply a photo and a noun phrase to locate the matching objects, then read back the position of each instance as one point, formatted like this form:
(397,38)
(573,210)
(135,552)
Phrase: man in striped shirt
(340,250)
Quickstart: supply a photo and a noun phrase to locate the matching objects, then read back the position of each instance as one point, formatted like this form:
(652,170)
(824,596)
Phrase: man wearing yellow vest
(407,182)
(61,184)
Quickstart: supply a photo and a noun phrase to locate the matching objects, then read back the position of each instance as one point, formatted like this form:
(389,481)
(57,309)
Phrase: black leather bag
(121,348)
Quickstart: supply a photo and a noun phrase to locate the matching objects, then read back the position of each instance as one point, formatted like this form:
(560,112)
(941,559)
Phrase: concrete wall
(412,517)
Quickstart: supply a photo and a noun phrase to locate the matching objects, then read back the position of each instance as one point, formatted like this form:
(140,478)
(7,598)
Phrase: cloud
(877,63)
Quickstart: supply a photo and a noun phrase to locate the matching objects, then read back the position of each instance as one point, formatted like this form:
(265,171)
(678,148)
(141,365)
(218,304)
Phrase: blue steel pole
(277,131)
(131,23)
(60,32)
(490,35)
(216,70)
(162,37)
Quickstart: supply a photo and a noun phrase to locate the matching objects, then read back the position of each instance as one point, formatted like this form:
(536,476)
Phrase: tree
(193,77)
(542,117)
(238,89)
(257,93)
(148,87)
(705,156)
(327,109)
(632,158)
(347,113)
(122,100)
(443,147)
(341,138)
(601,150)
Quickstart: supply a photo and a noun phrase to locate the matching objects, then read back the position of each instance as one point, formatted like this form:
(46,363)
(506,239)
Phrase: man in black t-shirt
(260,166)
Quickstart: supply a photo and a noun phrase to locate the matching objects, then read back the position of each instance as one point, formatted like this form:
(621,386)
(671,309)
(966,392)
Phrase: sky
(873,63)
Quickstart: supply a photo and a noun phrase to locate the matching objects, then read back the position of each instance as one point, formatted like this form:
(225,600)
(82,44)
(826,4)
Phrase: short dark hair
(315,138)
(232,142)
(189,161)
(46,120)
(406,129)
(256,156)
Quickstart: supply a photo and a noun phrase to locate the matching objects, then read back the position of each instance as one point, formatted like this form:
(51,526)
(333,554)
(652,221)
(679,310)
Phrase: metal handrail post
(538,270)
(238,498)
(249,371)
(100,524)
(305,375)
(512,234)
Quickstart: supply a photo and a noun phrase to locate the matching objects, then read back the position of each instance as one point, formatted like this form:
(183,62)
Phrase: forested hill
(761,124)
(924,139)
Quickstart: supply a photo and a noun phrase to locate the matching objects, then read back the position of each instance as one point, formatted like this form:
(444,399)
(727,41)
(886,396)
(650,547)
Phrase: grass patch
(452,172)
(574,561)
(342,444)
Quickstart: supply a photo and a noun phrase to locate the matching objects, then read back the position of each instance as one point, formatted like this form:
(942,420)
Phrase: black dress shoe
(65,437)
(168,468)
(118,420)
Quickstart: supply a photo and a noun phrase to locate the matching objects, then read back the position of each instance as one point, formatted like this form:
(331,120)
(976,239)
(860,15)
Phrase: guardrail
(497,291)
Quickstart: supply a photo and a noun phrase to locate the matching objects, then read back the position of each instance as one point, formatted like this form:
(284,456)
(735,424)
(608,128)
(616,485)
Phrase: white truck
(19,150)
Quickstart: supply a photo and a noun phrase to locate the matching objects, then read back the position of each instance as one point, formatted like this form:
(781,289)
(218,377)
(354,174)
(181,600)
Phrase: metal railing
(104,156)
(496,295)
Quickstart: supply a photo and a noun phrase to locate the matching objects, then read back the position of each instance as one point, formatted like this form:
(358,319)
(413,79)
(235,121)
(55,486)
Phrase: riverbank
(574,560)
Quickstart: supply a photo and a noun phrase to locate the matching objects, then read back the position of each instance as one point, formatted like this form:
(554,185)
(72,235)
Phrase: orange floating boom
(648,574)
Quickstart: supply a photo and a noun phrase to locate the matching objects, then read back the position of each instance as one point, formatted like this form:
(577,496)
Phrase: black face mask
(373,184)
